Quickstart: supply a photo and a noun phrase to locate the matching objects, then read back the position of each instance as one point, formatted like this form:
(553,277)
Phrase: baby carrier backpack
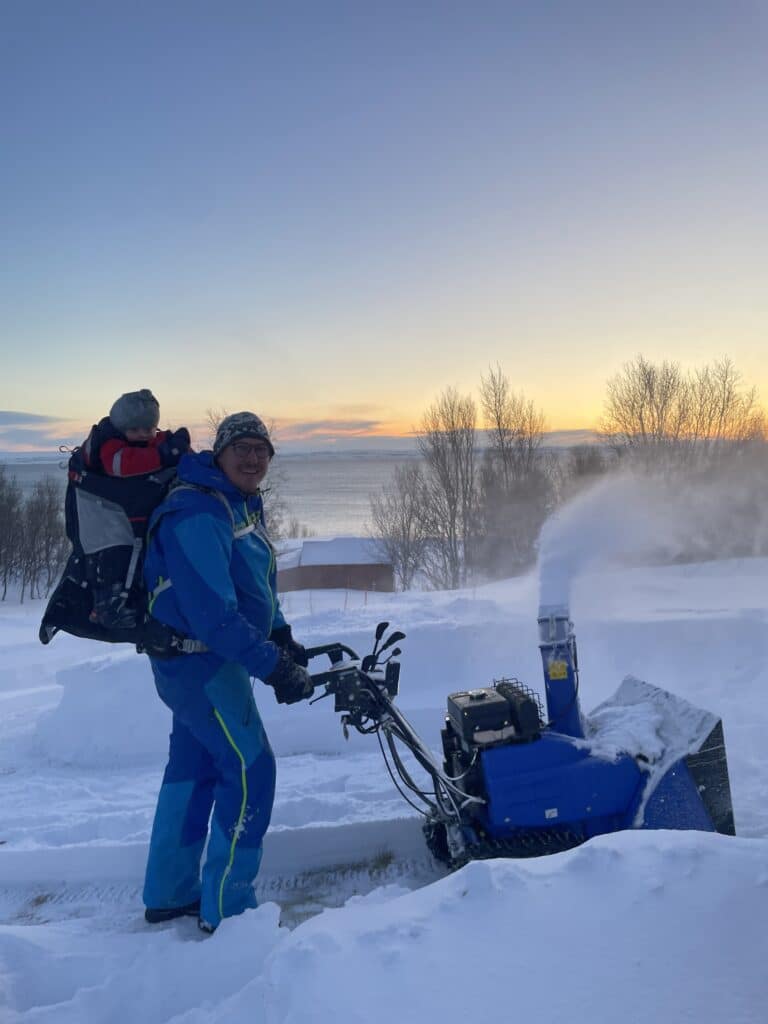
(101,594)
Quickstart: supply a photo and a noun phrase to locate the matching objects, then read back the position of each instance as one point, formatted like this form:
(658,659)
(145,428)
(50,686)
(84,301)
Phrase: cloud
(35,432)
(323,428)
(15,419)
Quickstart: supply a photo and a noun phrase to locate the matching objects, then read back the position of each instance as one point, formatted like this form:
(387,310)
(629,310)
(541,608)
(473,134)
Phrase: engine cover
(505,713)
(475,713)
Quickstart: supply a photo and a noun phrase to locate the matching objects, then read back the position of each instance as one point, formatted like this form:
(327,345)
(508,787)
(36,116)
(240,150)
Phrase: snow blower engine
(515,782)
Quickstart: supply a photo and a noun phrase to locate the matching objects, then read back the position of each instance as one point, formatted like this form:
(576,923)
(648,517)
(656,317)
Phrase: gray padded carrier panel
(103,524)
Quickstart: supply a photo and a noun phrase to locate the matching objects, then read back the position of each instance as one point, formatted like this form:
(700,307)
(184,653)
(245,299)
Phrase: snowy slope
(638,926)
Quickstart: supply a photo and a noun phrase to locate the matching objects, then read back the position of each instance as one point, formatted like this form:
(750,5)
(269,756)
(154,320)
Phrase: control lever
(397,635)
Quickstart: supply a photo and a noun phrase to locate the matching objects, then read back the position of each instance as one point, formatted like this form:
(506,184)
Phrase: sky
(329,212)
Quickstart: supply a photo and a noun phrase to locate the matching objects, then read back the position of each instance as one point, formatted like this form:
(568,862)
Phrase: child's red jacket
(107,450)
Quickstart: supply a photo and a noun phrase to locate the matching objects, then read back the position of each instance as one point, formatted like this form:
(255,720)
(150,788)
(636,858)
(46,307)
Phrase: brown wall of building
(336,577)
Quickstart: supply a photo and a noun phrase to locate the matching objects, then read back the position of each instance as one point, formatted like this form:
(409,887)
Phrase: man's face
(245,463)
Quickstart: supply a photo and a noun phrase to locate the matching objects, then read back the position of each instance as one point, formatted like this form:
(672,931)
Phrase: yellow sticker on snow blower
(558,670)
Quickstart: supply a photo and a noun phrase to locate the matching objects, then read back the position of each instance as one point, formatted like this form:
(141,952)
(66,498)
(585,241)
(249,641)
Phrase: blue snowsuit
(211,575)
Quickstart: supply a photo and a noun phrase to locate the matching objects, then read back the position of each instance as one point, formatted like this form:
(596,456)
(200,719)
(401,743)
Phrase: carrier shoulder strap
(189,645)
(237,531)
(165,583)
(207,490)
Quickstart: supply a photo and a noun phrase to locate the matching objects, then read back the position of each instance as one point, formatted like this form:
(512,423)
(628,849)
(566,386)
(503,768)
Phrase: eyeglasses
(242,450)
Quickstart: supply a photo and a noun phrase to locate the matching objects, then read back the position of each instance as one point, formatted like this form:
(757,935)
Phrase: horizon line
(338,443)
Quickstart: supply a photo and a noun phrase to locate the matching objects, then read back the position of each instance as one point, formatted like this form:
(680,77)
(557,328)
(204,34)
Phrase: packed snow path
(637,926)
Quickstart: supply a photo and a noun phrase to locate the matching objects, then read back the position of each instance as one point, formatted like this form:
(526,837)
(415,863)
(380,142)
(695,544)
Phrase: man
(210,571)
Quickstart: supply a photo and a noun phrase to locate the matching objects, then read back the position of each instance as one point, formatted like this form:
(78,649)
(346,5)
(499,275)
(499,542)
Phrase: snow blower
(515,782)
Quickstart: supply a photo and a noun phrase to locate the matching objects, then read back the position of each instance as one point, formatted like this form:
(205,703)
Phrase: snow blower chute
(516,783)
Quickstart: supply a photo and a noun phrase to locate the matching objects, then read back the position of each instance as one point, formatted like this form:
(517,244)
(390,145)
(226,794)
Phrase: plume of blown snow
(633,519)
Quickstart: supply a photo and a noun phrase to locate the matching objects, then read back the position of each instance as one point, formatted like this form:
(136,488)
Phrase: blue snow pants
(219,759)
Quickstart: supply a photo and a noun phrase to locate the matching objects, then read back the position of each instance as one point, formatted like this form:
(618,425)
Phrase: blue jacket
(210,568)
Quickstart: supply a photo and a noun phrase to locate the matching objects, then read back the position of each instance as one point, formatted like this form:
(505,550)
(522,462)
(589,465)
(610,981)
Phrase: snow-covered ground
(639,926)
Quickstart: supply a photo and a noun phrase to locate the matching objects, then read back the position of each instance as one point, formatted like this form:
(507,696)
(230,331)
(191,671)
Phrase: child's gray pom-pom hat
(238,425)
(135,410)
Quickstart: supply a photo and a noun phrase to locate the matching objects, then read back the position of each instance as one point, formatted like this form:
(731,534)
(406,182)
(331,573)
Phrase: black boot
(156,915)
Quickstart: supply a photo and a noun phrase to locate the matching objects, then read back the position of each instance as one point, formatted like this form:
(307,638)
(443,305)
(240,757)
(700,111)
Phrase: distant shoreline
(382,447)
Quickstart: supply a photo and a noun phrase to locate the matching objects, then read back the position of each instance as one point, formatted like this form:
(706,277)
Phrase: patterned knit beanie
(238,425)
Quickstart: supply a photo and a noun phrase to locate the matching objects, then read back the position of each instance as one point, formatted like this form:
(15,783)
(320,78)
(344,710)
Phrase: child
(127,444)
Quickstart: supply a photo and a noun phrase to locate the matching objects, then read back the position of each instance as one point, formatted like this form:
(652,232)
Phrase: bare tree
(297,529)
(459,513)
(399,524)
(275,507)
(582,466)
(646,406)
(31,548)
(446,441)
(705,431)
(10,528)
(658,414)
(213,417)
(514,427)
(723,415)
(52,538)
(517,481)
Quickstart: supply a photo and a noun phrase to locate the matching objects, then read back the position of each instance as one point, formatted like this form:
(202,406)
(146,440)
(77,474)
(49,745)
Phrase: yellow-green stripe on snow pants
(219,760)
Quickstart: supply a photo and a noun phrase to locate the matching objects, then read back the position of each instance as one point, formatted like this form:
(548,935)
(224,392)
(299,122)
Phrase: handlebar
(334,652)
(351,681)
(364,690)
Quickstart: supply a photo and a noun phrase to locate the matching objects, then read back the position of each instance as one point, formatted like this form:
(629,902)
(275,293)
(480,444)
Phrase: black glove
(291,682)
(174,446)
(283,638)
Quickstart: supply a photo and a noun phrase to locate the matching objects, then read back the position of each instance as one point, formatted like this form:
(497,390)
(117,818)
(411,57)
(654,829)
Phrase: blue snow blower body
(549,789)
(515,781)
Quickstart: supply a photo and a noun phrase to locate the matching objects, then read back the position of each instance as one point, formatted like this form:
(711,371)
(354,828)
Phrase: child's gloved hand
(180,439)
(174,446)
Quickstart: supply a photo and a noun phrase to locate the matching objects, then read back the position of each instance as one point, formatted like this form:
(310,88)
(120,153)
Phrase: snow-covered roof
(330,551)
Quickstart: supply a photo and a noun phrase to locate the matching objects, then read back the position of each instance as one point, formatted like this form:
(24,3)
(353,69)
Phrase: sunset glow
(329,215)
